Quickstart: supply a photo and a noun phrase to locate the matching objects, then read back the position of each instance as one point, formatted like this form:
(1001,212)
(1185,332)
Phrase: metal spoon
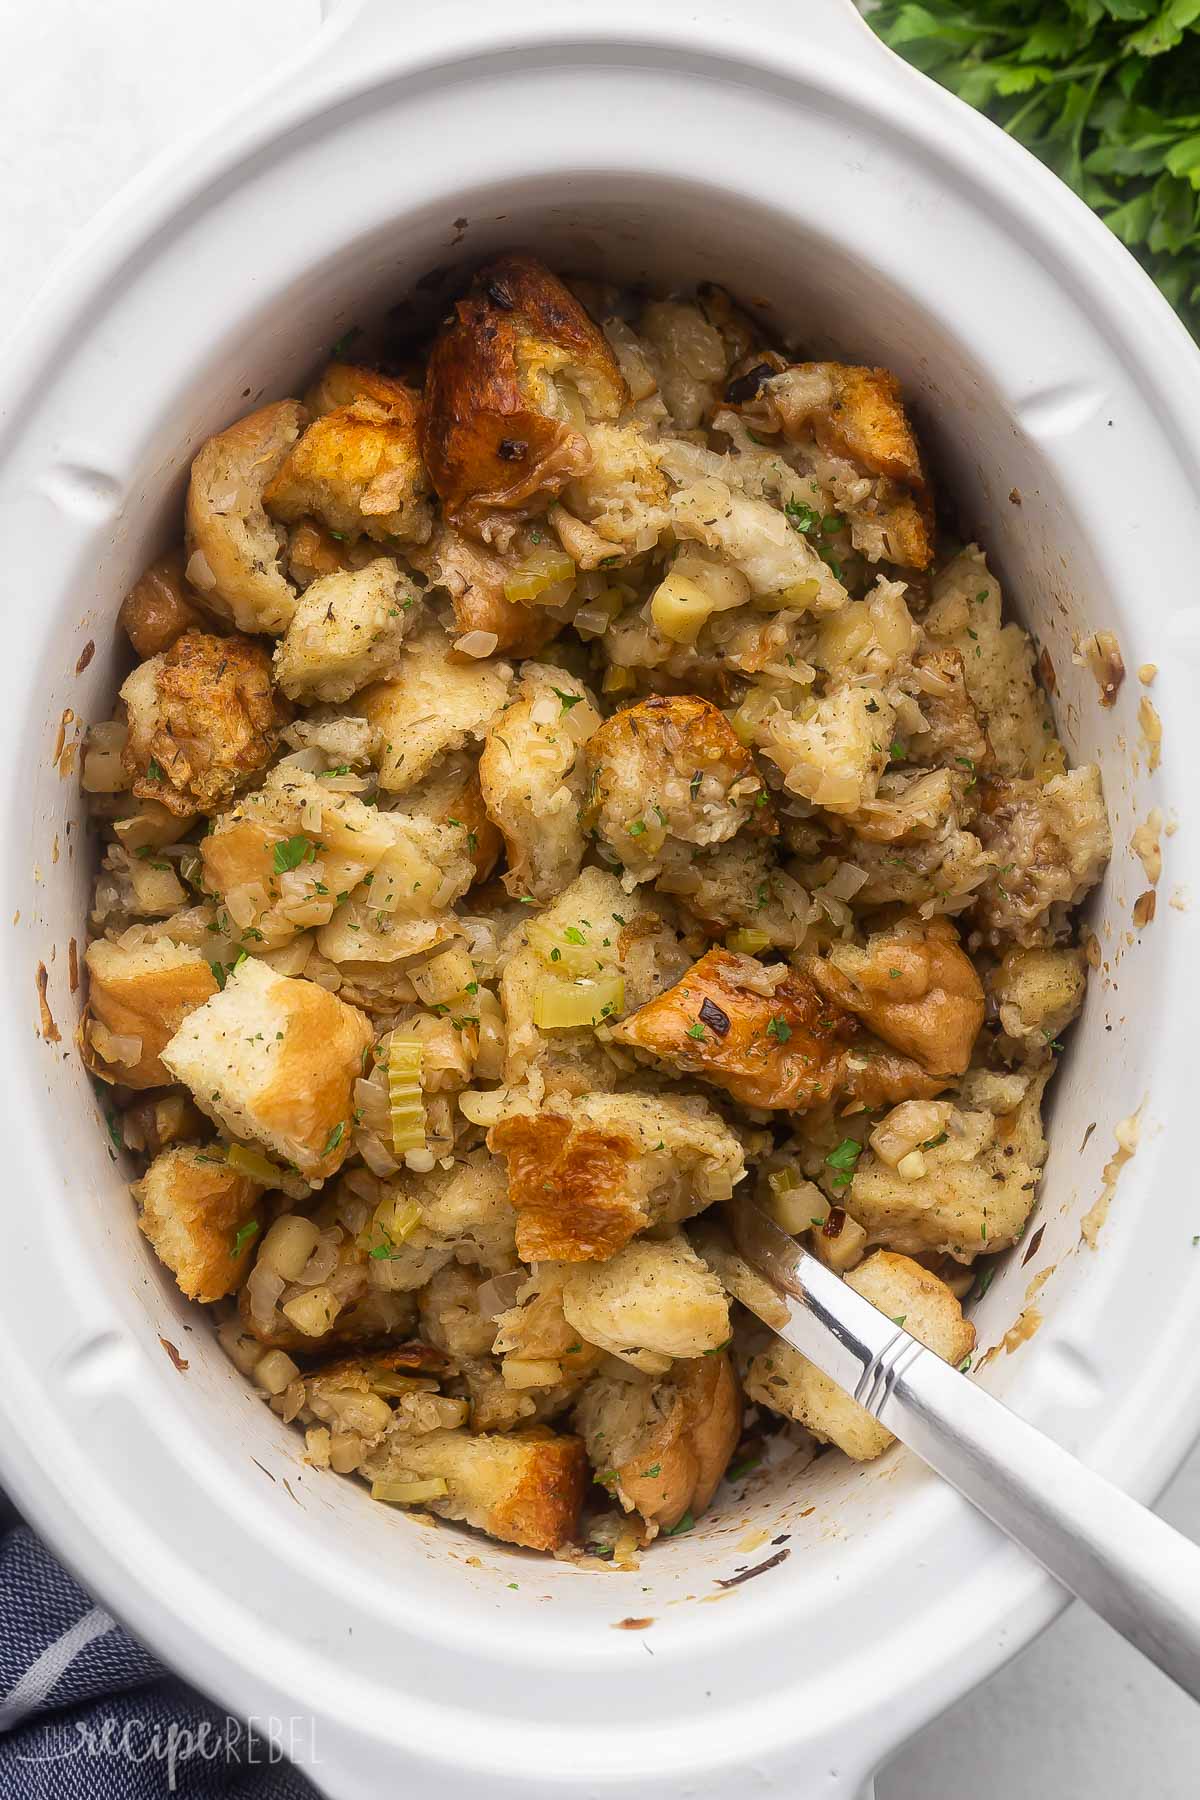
(1130,1567)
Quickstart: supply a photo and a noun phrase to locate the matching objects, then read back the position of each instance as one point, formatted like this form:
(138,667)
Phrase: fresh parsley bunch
(1106,92)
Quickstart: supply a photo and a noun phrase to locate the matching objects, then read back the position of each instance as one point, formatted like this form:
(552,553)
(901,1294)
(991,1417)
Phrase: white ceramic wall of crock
(777,147)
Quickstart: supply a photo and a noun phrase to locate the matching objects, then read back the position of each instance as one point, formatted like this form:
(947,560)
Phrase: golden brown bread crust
(541,1509)
(341,383)
(790,1050)
(493,436)
(150,1003)
(226,522)
(567,1184)
(309,1097)
(210,725)
(193,1208)
(160,607)
(689,1445)
(359,467)
(915,987)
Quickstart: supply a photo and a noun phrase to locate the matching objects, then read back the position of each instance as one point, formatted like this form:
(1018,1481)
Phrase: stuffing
(137,1000)
(621,500)
(786,1382)
(160,606)
(667,775)
(475,579)
(204,721)
(971,1186)
(199,1215)
(290,853)
(587,1175)
(533,776)
(660,1447)
(653,1301)
(768,1037)
(451,795)
(954,735)
(1036,994)
(997,662)
(594,932)
(749,532)
(689,358)
(856,416)
(430,705)
(523,1487)
(831,750)
(1047,846)
(514,378)
(450,1315)
(740,887)
(631,801)
(914,986)
(346,631)
(233,547)
(274,1059)
(358,468)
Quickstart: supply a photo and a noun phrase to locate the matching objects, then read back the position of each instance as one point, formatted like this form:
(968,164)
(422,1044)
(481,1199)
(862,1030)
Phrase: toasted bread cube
(661,1446)
(200,1216)
(997,663)
(203,722)
(1038,993)
(771,1041)
(231,543)
(915,987)
(532,774)
(431,704)
(1048,846)
(620,503)
(523,1487)
(402,910)
(347,630)
(451,795)
(291,852)
(979,1185)
(651,1302)
(586,1174)
(514,377)
(666,776)
(160,606)
(358,468)
(786,1382)
(274,1059)
(143,993)
(832,751)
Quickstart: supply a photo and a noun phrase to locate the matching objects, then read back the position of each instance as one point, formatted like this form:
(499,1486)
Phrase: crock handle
(354,28)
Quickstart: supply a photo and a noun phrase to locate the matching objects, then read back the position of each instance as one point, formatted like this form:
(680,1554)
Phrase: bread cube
(273,1059)
(533,775)
(431,703)
(142,994)
(651,1302)
(233,548)
(346,631)
(201,1218)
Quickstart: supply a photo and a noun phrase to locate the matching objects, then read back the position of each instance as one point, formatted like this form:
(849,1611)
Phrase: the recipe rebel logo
(173,1745)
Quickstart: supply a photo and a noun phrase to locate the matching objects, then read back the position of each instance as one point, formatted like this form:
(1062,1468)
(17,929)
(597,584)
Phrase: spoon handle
(1135,1571)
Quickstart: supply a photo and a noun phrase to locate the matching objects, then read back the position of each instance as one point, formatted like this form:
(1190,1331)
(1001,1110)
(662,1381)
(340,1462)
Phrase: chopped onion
(499,1293)
(199,573)
(477,643)
(263,1286)
(378,1159)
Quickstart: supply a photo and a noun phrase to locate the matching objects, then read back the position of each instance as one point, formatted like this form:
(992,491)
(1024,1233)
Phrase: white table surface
(94,89)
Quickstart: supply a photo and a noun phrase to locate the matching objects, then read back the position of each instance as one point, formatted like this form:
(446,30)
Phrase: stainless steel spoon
(1131,1568)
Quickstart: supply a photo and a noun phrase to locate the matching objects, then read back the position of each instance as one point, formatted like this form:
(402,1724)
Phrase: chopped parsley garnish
(696,1030)
(568,700)
(247,1231)
(685,1524)
(779,1029)
(800,517)
(573,935)
(334,1138)
(694,784)
(292,852)
(842,1161)
(636,828)
(933,1142)
(154,770)
(347,338)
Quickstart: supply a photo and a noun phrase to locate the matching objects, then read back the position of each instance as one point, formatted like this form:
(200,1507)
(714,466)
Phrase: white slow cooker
(775,146)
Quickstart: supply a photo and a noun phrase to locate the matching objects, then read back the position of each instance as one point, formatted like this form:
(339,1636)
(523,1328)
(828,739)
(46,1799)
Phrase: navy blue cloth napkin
(87,1714)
